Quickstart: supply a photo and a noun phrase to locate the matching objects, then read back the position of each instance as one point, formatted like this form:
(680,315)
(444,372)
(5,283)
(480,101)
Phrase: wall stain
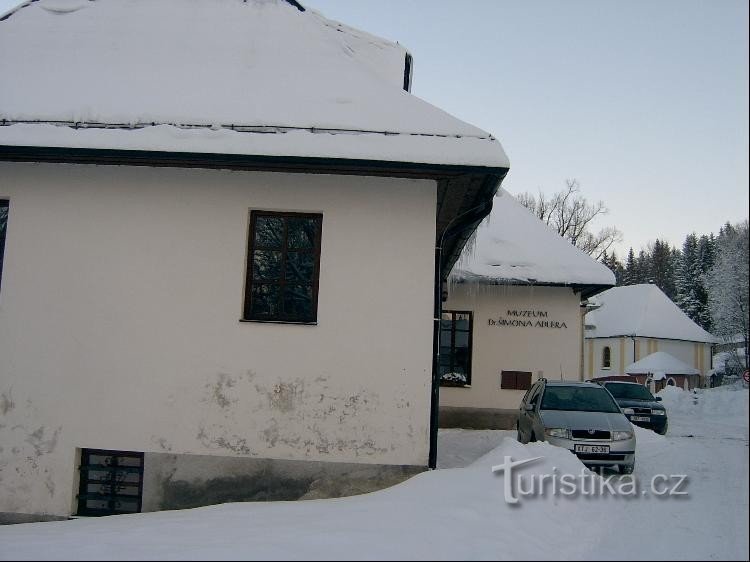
(6,402)
(161,442)
(301,413)
(219,391)
(41,445)
(285,395)
(233,443)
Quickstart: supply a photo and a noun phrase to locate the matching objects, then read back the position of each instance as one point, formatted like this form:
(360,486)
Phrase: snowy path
(461,513)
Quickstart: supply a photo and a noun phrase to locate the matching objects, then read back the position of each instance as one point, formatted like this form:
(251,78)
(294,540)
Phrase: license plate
(640,418)
(592,449)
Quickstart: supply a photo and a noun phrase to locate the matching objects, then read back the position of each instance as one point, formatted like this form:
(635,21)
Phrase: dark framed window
(606,357)
(515,380)
(4,206)
(455,348)
(283,267)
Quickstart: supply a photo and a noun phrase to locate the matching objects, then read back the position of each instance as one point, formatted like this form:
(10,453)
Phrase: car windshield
(629,391)
(578,399)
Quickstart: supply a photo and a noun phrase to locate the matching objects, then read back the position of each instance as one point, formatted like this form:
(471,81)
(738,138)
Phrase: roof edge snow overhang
(459,187)
(637,335)
(586,290)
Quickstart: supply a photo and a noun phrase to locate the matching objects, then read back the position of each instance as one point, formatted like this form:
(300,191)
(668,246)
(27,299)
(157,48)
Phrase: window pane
(266,265)
(265,301)
(445,355)
(457,368)
(298,302)
(269,232)
(300,266)
(463,325)
(461,356)
(462,339)
(445,339)
(301,233)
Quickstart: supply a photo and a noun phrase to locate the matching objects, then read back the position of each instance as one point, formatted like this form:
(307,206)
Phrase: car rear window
(578,399)
(629,391)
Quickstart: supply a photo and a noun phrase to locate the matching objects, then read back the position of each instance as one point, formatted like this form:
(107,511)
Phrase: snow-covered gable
(644,311)
(514,246)
(662,364)
(217,76)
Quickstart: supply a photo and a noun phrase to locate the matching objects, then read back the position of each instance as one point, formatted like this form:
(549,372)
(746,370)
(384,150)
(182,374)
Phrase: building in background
(513,314)
(636,321)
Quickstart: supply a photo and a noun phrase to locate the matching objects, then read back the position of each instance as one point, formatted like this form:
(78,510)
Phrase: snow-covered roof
(514,246)
(641,310)
(257,77)
(661,364)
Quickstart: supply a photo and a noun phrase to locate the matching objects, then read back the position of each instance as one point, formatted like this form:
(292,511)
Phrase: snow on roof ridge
(232,127)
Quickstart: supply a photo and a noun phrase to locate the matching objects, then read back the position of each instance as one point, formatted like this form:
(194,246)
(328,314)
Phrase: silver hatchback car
(582,417)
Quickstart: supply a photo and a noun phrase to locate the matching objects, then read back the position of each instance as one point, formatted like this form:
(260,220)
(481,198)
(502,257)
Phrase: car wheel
(627,468)
(664,430)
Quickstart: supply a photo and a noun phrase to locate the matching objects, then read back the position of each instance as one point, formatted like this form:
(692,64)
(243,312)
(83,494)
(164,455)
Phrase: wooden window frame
(470,345)
(247,315)
(4,204)
(515,380)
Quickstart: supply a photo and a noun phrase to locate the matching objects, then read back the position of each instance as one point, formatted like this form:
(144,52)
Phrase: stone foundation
(185,481)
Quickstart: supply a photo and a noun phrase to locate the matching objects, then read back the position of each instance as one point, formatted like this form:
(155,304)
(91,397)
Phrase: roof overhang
(586,290)
(460,188)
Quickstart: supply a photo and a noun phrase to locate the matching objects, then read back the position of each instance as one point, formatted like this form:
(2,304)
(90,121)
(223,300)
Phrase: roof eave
(459,187)
(586,290)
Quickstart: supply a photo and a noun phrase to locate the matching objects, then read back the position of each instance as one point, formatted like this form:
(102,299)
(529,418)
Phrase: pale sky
(644,102)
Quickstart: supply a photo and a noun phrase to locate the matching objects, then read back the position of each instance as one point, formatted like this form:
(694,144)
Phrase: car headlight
(659,412)
(628,411)
(560,432)
(621,435)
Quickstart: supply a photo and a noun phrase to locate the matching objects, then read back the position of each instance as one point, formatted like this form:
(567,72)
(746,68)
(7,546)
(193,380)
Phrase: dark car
(639,405)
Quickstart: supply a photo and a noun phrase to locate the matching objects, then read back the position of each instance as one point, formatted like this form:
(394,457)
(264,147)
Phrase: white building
(202,198)
(635,321)
(513,314)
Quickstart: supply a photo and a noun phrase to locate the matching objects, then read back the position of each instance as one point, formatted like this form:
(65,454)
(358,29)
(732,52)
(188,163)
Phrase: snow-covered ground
(461,512)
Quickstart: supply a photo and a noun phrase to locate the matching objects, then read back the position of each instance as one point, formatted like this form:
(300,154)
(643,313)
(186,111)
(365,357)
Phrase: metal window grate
(111,482)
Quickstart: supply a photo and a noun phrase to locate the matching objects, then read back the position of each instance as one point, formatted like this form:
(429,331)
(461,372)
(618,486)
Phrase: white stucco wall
(695,354)
(119,323)
(542,351)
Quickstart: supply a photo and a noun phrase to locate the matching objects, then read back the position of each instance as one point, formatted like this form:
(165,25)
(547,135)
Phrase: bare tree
(572,215)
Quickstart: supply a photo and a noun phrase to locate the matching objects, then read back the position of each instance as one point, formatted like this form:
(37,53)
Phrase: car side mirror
(657,398)
(529,407)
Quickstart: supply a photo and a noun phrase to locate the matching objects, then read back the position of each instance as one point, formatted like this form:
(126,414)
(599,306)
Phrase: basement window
(283,267)
(111,482)
(455,348)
